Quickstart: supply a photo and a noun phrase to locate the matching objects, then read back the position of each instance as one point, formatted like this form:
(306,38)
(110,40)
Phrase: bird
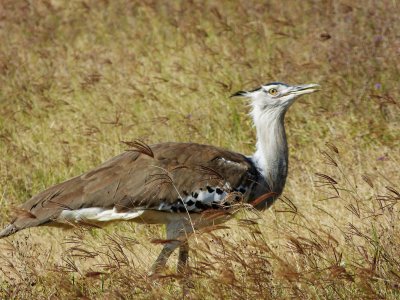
(175,184)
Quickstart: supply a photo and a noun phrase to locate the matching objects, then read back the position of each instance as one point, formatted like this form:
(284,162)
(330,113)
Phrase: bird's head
(276,96)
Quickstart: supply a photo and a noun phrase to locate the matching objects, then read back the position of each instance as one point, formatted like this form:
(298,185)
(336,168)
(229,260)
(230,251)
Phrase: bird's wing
(147,177)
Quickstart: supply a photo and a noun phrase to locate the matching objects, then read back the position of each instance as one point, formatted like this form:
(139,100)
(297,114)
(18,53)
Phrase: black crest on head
(238,94)
(276,83)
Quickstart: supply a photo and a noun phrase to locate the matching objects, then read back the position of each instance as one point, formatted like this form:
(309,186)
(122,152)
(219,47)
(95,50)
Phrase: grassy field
(79,77)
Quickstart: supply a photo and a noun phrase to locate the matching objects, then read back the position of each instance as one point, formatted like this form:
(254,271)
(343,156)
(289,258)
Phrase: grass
(79,77)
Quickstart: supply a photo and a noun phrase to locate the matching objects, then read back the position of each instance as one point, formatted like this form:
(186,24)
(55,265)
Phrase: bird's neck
(271,156)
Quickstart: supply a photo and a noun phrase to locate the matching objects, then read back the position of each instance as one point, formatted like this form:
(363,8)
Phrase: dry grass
(79,77)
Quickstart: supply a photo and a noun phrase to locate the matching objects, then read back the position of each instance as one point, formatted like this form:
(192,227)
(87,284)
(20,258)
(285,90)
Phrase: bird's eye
(273,91)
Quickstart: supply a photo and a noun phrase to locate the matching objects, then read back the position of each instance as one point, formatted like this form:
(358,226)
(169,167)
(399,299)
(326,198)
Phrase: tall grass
(79,77)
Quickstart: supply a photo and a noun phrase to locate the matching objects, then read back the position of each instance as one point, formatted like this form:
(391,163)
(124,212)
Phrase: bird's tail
(8,230)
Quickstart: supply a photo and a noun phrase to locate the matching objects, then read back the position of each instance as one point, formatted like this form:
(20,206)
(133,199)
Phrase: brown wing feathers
(140,177)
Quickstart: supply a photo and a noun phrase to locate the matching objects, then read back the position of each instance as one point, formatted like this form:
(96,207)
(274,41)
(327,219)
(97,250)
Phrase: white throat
(271,156)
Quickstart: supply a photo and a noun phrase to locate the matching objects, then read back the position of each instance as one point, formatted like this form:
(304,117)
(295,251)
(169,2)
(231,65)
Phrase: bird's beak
(304,89)
(239,94)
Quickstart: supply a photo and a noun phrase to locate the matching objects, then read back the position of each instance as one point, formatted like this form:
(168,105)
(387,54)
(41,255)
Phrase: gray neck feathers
(271,156)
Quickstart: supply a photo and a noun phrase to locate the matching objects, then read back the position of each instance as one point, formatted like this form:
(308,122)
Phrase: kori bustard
(175,183)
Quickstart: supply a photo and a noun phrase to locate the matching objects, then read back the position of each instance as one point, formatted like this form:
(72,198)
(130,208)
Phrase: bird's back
(168,177)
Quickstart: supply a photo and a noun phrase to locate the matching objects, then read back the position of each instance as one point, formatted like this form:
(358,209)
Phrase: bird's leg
(176,237)
(175,231)
(182,269)
(183,257)
(162,258)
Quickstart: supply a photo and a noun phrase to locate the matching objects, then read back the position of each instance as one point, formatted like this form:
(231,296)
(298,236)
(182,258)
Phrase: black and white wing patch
(222,195)
(205,199)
